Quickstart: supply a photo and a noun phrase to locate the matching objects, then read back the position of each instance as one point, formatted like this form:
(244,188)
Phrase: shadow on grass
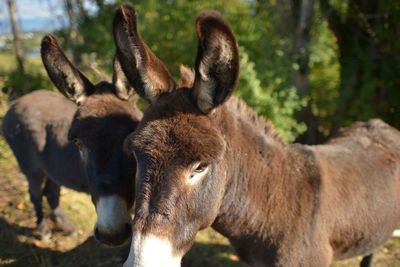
(16,251)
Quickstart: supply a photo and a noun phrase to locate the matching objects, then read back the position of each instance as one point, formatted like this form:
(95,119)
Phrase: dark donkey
(105,115)
(205,159)
(36,127)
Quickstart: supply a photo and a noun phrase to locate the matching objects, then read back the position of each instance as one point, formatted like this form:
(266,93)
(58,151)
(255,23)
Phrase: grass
(9,64)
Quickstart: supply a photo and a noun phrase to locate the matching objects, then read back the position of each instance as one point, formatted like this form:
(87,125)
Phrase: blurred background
(309,66)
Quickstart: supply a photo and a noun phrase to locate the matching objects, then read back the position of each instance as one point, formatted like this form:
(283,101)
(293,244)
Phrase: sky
(36,15)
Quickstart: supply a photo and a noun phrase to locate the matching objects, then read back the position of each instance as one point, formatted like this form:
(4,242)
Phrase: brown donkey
(105,115)
(205,159)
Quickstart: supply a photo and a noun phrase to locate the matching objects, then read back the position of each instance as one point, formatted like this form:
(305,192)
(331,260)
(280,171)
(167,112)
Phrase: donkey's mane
(259,123)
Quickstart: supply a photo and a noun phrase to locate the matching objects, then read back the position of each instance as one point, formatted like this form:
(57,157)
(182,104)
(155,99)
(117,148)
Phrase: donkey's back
(373,132)
(36,128)
(360,174)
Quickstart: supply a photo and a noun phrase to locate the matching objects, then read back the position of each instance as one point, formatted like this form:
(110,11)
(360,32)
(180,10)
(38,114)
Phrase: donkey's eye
(199,171)
(77,143)
(201,168)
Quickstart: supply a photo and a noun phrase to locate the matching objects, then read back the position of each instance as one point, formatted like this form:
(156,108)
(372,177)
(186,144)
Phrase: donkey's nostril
(115,238)
(97,234)
(128,230)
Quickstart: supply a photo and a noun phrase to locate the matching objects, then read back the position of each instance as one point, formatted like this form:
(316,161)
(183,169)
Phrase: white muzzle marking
(112,214)
(151,251)
(396,233)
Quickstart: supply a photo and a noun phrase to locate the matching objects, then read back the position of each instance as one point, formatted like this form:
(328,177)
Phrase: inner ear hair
(123,88)
(187,77)
(217,62)
(68,79)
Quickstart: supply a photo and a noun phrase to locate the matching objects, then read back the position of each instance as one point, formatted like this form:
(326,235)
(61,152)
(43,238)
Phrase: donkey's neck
(262,192)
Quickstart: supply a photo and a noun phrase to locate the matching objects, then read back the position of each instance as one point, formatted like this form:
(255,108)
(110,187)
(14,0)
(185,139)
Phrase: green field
(7,59)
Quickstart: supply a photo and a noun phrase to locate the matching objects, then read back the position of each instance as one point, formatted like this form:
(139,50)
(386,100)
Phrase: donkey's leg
(366,261)
(35,181)
(52,193)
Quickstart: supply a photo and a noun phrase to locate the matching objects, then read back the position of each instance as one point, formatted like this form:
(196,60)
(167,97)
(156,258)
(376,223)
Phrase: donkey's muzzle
(115,238)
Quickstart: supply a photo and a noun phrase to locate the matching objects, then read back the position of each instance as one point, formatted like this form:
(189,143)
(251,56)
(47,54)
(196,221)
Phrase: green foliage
(275,101)
(342,87)
(168,28)
(17,84)
(324,74)
(367,55)
(96,32)
(13,83)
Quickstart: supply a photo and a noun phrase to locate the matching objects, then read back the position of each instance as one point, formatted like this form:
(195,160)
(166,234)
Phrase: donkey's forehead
(105,103)
(105,115)
(176,129)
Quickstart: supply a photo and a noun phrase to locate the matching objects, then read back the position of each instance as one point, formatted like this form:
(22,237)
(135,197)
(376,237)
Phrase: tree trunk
(296,20)
(301,43)
(361,59)
(19,53)
(302,13)
(285,9)
(75,12)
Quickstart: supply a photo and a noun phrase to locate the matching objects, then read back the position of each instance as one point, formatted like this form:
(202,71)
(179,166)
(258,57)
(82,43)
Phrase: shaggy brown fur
(204,160)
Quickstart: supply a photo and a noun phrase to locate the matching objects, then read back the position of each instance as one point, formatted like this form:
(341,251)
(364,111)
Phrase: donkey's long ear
(123,88)
(68,79)
(146,73)
(217,62)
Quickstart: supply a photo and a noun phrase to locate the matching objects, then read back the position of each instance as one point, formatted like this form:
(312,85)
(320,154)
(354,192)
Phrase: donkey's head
(106,114)
(179,146)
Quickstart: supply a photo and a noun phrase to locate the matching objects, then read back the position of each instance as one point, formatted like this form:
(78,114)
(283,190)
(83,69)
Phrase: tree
(19,53)
(368,54)
(168,29)
(295,22)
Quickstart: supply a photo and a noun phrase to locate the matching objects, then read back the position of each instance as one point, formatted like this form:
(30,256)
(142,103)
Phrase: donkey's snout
(113,221)
(115,238)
